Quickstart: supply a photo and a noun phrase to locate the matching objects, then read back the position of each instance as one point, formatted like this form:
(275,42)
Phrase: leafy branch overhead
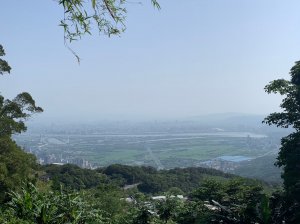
(108,16)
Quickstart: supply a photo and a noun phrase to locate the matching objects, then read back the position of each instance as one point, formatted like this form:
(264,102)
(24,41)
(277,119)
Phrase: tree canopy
(14,112)
(4,66)
(289,154)
(15,165)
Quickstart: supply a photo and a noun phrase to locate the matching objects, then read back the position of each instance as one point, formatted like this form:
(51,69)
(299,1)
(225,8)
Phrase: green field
(168,150)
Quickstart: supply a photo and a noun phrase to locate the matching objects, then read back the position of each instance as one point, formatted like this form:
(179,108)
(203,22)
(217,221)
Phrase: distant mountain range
(230,118)
(236,122)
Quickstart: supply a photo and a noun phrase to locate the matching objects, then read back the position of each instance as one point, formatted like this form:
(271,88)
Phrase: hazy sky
(192,57)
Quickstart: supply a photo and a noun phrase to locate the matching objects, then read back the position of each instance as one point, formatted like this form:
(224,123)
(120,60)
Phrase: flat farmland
(159,150)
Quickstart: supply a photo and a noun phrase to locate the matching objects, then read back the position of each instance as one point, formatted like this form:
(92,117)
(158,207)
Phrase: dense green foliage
(261,168)
(239,201)
(157,181)
(148,179)
(14,112)
(32,206)
(233,201)
(289,155)
(99,197)
(73,177)
(15,165)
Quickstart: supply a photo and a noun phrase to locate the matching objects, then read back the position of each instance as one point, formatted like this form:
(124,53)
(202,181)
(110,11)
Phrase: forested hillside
(147,179)
(261,168)
(124,194)
(31,193)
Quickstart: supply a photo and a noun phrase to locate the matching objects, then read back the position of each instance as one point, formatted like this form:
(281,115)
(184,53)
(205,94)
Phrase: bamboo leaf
(94,3)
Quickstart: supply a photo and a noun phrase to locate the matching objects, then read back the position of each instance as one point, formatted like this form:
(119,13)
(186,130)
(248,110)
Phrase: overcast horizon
(215,118)
(207,58)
